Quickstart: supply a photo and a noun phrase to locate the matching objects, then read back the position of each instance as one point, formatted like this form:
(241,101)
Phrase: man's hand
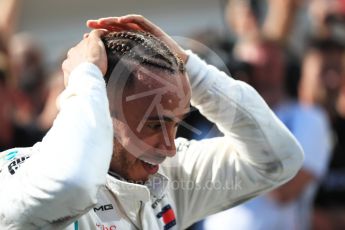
(137,22)
(90,49)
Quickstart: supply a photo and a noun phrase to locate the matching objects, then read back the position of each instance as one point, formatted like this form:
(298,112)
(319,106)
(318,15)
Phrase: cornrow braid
(142,48)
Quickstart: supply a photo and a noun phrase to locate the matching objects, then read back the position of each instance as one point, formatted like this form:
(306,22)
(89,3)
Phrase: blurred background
(62,23)
(290,51)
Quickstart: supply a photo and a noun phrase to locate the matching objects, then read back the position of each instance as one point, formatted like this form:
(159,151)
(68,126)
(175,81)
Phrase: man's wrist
(81,80)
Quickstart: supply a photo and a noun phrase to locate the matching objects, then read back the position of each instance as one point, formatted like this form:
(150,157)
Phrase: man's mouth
(149,167)
(150,162)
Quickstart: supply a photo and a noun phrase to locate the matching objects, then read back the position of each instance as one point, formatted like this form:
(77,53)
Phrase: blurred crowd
(291,51)
(28,91)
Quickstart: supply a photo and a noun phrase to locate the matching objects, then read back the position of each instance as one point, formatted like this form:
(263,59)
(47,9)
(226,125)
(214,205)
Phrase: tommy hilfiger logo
(168,216)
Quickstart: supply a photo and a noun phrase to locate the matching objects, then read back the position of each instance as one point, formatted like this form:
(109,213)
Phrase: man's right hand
(90,49)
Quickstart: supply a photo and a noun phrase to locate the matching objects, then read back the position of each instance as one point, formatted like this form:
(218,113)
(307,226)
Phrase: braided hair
(134,47)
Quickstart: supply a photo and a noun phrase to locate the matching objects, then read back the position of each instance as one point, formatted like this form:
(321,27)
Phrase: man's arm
(256,154)
(60,180)
(257,150)
(311,128)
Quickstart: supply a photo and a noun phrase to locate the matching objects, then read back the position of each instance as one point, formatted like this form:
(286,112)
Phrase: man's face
(145,121)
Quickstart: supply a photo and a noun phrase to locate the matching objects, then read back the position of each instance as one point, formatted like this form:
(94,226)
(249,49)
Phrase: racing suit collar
(156,186)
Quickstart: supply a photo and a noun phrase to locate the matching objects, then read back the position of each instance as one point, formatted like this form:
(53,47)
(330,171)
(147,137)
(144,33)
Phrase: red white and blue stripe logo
(168,216)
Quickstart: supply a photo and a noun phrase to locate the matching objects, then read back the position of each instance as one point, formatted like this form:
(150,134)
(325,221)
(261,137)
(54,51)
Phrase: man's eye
(154,126)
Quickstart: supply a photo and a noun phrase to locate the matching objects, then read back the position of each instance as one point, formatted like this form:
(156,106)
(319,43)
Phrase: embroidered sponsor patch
(16,163)
(168,216)
(103,208)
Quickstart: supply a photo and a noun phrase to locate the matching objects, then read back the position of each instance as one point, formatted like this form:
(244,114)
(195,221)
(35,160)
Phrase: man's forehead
(156,78)
(148,82)
(157,93)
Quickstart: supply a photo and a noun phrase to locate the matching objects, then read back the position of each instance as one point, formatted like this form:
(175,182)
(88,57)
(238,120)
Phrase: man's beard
(120,162)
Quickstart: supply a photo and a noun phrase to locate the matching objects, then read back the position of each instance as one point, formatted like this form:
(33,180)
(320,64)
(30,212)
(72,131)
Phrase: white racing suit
(62,182)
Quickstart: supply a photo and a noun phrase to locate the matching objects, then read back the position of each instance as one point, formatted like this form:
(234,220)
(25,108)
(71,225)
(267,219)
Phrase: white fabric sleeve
(256,154)
(61,178)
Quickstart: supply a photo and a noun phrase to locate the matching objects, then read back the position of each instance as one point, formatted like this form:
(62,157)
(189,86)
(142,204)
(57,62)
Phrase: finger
(114,19)
(144,23)
(113,27)
(109,19)
(91,23)
(112,22)
(98,33)
(133,26)
(118,27)
(116,24)
(105,18)
(135,19)
(101,21)
(94,24)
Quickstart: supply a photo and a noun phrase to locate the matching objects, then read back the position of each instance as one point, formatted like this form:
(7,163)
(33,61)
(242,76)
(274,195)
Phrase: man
(154,181)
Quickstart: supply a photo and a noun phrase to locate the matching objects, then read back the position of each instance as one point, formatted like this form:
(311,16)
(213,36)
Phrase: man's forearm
(61,178)
(241,114)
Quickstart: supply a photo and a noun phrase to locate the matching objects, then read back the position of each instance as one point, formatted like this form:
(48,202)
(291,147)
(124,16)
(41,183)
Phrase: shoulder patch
(13,158)
(16,163)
